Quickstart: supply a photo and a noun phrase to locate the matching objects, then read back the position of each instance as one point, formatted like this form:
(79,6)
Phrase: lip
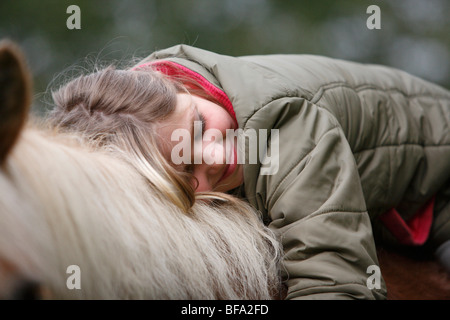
(230,167)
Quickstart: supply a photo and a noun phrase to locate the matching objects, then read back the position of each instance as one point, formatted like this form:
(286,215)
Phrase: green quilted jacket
(364,154)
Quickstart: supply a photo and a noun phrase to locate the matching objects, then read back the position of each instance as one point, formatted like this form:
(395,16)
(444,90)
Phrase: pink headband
(171,68)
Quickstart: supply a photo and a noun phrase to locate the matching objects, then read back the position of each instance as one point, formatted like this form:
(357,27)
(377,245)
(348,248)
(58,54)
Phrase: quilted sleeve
(315,203)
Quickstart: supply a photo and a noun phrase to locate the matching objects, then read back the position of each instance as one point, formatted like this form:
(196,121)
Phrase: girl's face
(195,116)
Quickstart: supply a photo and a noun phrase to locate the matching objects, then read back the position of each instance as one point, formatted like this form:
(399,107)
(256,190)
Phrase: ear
(15,95)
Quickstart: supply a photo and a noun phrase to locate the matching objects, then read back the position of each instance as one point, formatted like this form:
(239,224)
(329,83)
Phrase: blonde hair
(121,108)
(86,199)
(64,204)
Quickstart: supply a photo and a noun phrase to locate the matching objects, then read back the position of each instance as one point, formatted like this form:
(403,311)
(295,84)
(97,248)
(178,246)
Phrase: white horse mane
(63,204)
(69,205)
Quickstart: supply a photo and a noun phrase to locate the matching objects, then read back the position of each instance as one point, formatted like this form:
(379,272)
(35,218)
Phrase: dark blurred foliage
(414,34)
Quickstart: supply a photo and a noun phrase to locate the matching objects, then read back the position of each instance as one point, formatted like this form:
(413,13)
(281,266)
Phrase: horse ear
(15,95)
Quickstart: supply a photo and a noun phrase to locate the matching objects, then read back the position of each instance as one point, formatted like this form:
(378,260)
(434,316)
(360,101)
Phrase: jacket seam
(327,210)
(298,163)
(299,291)
(265,104)
(402,144)
(363,87)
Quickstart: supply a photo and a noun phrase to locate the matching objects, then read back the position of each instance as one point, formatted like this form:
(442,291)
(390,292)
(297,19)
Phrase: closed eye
(202,120)
(199,123)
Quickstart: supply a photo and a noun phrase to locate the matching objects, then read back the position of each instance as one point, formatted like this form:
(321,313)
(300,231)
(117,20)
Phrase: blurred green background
(414,34)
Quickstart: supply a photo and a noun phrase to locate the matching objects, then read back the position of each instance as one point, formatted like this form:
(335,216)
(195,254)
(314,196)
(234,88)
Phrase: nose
(214,156)
(212,153)
(210,170)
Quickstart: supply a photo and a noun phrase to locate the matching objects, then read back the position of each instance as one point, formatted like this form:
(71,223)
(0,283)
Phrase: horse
(413,276)
(77,221)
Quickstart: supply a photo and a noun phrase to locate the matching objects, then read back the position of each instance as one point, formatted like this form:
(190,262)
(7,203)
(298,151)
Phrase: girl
(364,151)
(78,222)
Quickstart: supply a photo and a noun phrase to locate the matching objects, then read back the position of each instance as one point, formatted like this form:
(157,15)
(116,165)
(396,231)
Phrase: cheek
(214,154)
(221,123)
(218,118)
